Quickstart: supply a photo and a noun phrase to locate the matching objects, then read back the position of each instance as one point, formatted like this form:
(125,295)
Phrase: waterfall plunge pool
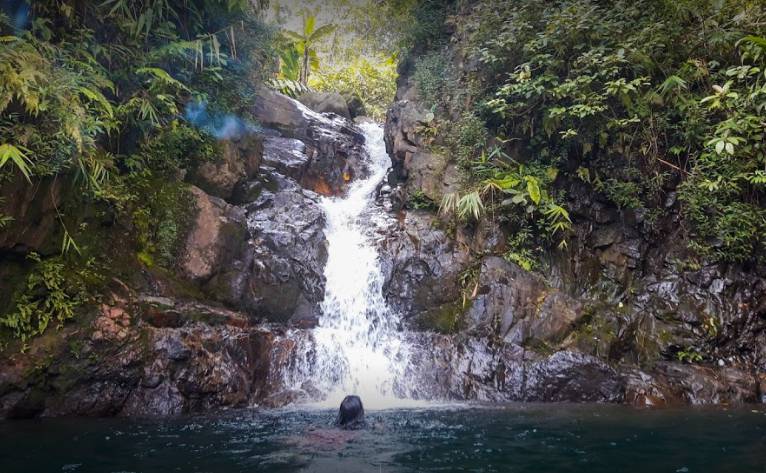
(510,438)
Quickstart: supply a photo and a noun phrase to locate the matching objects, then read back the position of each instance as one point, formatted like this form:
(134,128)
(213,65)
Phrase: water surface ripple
(513,438)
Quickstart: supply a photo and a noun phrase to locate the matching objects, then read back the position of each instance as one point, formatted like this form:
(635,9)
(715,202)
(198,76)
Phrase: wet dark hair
(351,413)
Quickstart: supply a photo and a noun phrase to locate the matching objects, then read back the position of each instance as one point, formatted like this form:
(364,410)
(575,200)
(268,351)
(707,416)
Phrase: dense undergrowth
(639,100)
(116,99)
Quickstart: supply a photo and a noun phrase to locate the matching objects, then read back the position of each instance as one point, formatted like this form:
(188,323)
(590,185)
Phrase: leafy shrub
(433,77)
(467,138)
(419,201)
(374,81)
(52,293)
(594,85)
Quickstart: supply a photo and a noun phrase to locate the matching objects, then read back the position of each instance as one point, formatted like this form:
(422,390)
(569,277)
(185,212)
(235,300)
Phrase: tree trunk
(305,68)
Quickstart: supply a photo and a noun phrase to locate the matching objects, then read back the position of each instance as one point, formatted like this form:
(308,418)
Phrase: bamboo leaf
(13,154)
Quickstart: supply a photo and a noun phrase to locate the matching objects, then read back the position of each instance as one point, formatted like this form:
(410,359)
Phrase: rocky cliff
(210,331)
(611,317)
(603,322)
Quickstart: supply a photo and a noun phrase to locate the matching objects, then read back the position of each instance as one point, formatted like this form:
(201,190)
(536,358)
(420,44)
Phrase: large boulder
(326,102)
(287,156)
(217,237)
(266,258)
(334,146)
(289,252)
(240,159)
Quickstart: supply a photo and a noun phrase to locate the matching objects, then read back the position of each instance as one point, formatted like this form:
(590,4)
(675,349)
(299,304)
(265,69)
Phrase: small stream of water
(357,348)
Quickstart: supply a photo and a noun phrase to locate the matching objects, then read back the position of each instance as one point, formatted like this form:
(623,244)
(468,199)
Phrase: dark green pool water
(517,438)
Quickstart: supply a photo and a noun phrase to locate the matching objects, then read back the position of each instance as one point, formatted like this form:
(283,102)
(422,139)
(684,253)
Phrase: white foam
(357,348)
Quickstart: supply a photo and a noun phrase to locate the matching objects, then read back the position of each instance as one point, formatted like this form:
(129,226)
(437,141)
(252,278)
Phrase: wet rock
(574,377)
(238,163)
(216,236)
(677,384)
(289,253)
(286,155)
(326,102)
(266,258)
(456,368)
(334,146)
(425,264)
(475,368)
(519,307)
(153,371)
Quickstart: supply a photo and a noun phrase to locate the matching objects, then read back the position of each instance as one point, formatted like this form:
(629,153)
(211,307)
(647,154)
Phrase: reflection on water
(515,438)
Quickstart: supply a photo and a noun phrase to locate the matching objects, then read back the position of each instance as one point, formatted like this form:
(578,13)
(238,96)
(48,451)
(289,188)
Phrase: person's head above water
(351,413)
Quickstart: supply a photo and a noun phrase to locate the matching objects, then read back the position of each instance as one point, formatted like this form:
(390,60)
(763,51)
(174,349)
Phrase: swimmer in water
(351,414)
(350,418)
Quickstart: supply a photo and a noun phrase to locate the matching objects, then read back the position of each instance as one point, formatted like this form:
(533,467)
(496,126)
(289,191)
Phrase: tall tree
(306,42)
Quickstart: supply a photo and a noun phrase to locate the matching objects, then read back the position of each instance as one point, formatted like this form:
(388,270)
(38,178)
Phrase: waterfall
(356,348)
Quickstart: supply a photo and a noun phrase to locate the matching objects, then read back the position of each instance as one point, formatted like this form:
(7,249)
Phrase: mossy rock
(446,318)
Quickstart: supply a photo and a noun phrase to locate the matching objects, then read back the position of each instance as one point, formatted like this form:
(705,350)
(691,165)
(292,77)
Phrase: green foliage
(373,79)
(466,207)
(689,355)
(427,22)
(161,223)
(51,294)
(305,43)
(434,79)
(419,201)
(289,63)
(92,94)
(524,193)
(468,137)
(289,87)
(12,154)
(87,80)
(581,84)
(725,190)
(522,250)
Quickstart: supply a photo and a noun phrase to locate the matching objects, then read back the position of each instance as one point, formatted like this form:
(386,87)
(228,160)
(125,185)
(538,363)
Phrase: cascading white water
(356,348)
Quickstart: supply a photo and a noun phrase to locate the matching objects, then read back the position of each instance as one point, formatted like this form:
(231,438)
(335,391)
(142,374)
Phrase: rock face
(326,102)
(239,163)
(33,210)
(519,307)
(263,252)
(476,368)
(619,304)
(200,335)
(421,170)
(425,265)
(333,145)
(289,249)
(216,237)
(149,356)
